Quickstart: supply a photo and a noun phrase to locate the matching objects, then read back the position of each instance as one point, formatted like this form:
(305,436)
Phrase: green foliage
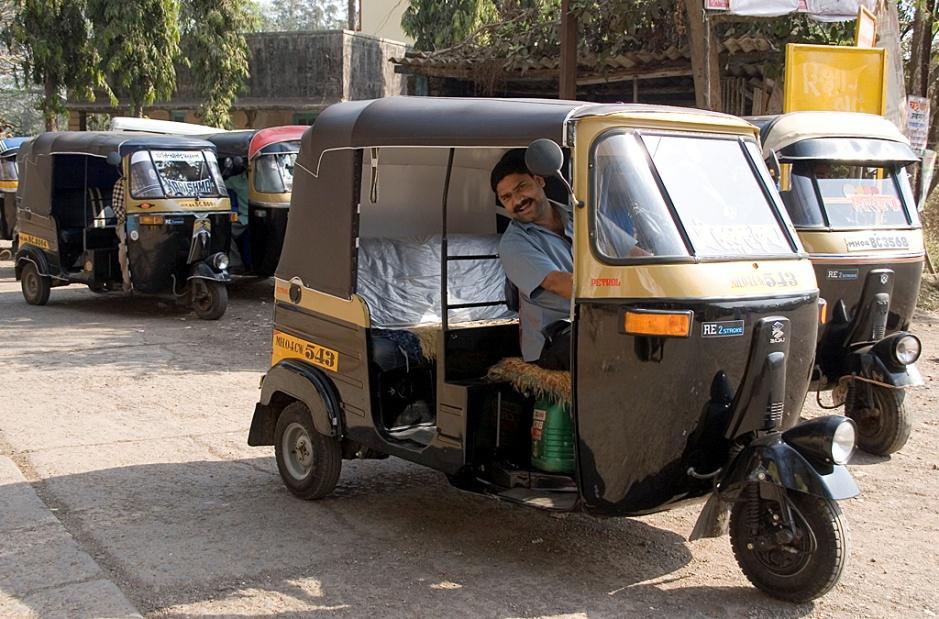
(293,15)
(138,41)
(215,50)
(438,24)
(52,40)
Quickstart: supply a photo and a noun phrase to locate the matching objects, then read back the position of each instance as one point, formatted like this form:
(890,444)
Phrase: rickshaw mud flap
(296,381)
(770,461)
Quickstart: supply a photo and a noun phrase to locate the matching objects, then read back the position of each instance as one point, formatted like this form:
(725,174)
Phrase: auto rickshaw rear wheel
(883,422)
(36,287)
(209,299)
(797,563)
(309,462)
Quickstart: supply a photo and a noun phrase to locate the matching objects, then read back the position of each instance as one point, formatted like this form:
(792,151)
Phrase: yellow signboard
(841,79)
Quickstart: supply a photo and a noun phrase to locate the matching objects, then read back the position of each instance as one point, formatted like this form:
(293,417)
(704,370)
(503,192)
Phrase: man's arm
(560,283)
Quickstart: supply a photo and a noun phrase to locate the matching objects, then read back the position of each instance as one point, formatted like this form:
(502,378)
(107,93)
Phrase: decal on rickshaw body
(867,241)
(773,279)
(33,240)
(842,275)
(727,328)
(290,347)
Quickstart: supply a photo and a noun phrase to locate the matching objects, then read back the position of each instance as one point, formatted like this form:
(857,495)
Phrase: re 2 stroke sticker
(842,275)
(727,328)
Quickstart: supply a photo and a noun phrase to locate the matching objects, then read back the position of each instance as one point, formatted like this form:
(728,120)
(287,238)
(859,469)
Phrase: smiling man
(537,258)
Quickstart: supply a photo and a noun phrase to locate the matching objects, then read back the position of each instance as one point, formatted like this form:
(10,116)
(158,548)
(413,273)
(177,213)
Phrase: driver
(536,254)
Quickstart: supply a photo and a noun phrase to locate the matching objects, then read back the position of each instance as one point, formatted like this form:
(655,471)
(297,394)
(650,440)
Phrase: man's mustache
(522,205)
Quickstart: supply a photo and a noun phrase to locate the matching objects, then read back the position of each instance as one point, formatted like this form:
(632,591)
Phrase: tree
(438,24)
(292,15)
(214,49)
(52,43)
(138,41)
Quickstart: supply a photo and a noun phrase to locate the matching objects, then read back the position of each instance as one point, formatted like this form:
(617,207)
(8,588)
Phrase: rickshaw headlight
(843,441)
(220,261)
(906,349)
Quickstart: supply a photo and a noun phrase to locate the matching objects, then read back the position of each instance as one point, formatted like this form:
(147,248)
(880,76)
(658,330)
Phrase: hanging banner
(822,10)
(841,79)
(917,122)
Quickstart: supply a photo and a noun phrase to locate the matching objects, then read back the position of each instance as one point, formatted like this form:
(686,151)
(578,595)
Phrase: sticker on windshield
(727,328)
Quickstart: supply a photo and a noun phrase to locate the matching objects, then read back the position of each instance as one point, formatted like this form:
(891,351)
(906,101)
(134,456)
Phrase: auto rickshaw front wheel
(796,562)
(883,421)
(36,287)
(309,462)
(209,299)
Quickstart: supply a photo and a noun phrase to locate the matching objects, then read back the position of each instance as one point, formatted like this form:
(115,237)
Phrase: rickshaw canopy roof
(231,143)
(9,146)
(847,136)
(274,135)
(319,247)
(102,143)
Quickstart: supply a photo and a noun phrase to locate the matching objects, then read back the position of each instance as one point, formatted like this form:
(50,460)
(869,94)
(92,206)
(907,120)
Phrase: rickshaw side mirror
(773,164)
(544,158)
(114,159)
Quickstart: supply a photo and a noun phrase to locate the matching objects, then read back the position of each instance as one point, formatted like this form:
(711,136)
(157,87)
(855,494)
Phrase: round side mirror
(114,159)
(544,158)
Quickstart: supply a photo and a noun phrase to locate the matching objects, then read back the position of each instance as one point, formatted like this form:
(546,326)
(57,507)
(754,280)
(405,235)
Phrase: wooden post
(567,82)
(705,60)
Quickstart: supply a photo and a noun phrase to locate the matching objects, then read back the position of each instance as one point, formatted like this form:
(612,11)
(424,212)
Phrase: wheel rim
(789,559)
(202,297)
(871,421)
(31,281)
(297,448)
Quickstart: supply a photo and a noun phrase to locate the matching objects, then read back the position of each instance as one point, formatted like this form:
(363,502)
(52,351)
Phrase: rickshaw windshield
(717,197)
(8,169)
(852,196)
(175,174)
(273,173)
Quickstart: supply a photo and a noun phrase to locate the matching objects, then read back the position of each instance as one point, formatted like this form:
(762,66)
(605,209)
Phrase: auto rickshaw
(258,169)
(843,182)
(178,217)
(8,149)
(392,335)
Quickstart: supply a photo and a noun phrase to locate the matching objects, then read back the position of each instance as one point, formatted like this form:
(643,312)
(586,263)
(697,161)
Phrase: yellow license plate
(33,240)
(290,347)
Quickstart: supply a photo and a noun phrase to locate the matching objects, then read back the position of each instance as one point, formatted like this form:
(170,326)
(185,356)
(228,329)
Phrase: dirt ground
(128,418)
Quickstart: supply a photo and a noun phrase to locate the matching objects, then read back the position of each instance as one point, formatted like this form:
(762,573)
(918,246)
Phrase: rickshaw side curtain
(319,247)
(35,180)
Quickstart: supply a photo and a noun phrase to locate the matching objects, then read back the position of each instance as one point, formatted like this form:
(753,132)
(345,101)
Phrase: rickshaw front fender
(28,253)
(770,460)
(870,361)
(202,270)
(291,380)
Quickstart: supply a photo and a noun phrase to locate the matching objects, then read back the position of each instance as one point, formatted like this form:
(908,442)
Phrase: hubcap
(298,451)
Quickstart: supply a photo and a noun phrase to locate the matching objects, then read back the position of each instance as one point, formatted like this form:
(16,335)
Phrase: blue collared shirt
(530,252)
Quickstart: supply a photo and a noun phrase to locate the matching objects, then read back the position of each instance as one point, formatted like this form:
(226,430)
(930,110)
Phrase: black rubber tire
(212,302)
(295,431)
(885,428)
(35,287)
(811,576)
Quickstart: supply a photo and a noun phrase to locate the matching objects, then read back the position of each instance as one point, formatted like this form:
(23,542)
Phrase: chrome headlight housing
(220,261)
(906,349)
(828,440)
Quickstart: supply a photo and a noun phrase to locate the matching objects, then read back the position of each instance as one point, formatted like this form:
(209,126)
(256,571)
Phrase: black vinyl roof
(231,143)
(101,143)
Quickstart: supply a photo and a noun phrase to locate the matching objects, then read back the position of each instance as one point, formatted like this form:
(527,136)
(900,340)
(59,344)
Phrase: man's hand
(560,283)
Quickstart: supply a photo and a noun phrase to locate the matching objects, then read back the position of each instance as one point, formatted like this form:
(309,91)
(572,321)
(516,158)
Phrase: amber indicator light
(665,324)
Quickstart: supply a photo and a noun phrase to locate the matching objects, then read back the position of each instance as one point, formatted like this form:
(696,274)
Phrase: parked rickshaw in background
(258,169)
(843,181)
(8,181)
(178,217)
(689,364)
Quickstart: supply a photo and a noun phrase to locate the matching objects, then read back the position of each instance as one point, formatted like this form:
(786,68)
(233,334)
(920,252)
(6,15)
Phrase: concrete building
(294,76)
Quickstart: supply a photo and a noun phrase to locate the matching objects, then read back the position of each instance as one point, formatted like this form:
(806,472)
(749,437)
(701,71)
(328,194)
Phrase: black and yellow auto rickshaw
(843,181)
(178,217)
(258,169)
(689,364)
(8,181)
